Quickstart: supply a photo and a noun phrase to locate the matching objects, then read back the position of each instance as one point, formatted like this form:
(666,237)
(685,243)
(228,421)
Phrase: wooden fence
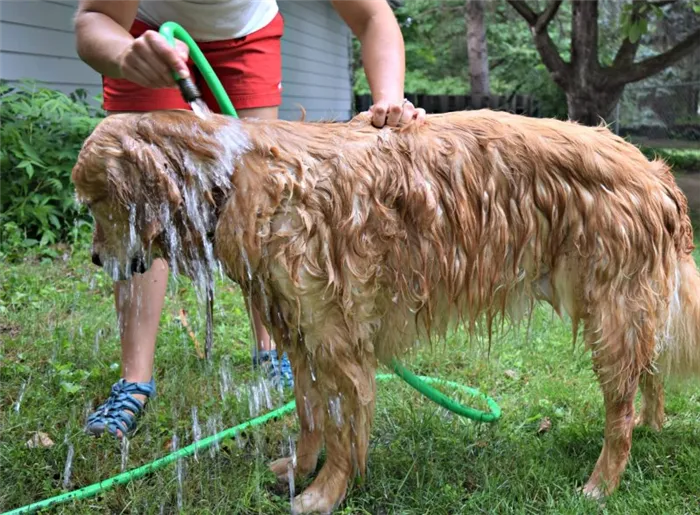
(435,104)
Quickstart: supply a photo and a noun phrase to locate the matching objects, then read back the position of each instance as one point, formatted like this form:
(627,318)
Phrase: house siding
(37,42)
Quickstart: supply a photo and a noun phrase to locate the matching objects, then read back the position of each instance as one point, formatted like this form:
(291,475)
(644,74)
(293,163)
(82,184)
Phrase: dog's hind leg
(347,385)
(652,412)
(618,358)
(310,411)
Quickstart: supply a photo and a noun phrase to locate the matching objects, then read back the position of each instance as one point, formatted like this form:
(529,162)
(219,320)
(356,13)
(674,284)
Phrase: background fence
(660,111)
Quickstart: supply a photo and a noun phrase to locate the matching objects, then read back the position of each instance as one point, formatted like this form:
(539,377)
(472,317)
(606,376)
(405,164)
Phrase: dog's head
(154,183)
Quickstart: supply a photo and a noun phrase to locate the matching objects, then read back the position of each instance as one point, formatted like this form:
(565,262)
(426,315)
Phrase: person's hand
(150,61)
(395,115)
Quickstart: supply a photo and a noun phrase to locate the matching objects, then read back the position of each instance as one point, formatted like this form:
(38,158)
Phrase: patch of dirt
(8,329)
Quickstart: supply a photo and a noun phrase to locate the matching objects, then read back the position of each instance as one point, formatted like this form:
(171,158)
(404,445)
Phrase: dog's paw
(592,491)
(311,501)
(654,425)
(281,467)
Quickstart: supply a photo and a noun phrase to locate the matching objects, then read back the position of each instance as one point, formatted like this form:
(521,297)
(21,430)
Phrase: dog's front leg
(347,386)
(311,413)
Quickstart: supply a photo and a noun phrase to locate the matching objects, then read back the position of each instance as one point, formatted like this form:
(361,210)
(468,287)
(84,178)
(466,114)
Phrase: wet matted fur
(355,242)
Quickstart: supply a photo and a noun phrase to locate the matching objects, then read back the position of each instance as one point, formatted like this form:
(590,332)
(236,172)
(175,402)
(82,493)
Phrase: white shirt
(210,20)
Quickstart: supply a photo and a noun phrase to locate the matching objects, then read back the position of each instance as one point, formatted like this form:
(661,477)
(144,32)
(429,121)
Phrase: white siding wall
(315,61)
(37,42)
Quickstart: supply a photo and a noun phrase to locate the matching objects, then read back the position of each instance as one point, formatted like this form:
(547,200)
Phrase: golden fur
(355,242)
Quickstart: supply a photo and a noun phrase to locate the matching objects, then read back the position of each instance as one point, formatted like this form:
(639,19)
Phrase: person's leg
(139,300)
(139,303)
(250,70)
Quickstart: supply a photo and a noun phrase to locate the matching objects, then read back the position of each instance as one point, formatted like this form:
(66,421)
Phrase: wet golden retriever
(355,242)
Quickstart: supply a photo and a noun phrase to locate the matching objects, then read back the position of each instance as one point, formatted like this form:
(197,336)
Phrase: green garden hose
(189,91)
(204,443)
(420,383)
(171,31)
(125,477)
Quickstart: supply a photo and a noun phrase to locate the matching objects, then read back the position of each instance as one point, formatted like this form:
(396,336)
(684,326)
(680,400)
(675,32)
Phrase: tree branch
(524,11)
(662,3)
(625,54)
(547,15)
(543,42)
(653,65)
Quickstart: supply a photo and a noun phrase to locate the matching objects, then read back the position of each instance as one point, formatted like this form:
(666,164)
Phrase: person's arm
(383,58)
(104,43)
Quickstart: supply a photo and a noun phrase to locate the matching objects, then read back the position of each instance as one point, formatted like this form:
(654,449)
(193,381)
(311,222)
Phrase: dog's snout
(138,265)
(96,259)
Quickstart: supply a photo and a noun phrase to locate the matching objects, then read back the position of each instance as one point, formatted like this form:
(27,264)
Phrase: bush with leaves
(42,132)
(436,54)
(679,159)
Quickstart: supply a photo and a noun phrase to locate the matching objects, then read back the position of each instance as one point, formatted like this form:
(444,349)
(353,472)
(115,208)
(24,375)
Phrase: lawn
(59,355)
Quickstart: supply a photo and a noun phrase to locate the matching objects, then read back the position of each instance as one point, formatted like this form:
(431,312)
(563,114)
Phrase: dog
(356,242)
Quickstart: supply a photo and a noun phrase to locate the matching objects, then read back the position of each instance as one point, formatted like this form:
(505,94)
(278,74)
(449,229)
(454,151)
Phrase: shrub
(678,159)
(42,132)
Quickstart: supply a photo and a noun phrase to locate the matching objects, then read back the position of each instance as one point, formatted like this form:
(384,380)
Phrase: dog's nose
(96,259)
(138,266)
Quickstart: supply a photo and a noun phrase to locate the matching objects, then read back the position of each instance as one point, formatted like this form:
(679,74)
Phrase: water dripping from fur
(96,345)
(196,429)
(335,410)
(213,427)
(68,468)
(225,375)
(179,473)
(291,465)
(309,413)
(125,453)
(22,390)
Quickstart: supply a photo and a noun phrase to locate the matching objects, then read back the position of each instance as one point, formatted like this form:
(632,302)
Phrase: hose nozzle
(189,90)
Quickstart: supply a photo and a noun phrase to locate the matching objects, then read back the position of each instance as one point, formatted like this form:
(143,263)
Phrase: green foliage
(436,45)
(418,82)
(634,21)
(436,53)
(42,133)
(679,159)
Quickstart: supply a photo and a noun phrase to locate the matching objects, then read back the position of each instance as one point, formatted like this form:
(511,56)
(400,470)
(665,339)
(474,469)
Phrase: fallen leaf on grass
(545,426)
(39,439)
(197,348)
(511,374)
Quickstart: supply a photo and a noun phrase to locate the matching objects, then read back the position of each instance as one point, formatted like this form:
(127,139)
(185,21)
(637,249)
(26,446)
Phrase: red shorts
(249,68)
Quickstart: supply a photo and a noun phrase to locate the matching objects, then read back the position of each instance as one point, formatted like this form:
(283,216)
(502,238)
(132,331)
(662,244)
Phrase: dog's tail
(680,355)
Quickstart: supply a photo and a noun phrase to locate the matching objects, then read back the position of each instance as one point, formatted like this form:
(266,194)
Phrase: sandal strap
(120,409)
(279,370)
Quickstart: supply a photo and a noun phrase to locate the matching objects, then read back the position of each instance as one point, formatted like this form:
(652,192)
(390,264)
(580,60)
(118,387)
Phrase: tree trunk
(477,52)
(592,91)
(591,106)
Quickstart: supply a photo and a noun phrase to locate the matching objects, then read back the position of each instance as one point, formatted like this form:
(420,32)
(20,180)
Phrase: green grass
(57,326)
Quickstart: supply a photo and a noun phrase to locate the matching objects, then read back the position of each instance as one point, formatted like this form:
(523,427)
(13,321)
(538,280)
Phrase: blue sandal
(277,371)
(118,413)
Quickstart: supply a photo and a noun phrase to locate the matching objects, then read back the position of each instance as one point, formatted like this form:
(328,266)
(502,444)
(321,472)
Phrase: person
(241,39)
